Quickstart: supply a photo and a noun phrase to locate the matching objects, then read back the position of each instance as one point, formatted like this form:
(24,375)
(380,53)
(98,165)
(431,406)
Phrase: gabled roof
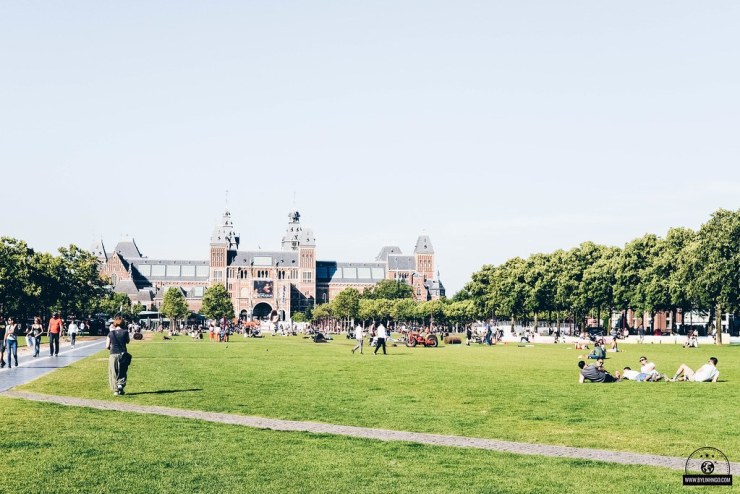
(401,263)
(126,286)
(128,249)
(386,251)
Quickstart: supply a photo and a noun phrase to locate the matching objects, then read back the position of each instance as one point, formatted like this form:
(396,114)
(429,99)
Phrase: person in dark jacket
(117,365)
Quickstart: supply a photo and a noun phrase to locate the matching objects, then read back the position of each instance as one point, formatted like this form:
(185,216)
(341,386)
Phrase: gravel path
(625,458)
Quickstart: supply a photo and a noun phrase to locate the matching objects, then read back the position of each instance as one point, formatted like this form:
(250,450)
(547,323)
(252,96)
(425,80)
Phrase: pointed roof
(98,250)
(128,249)
(224,233)
(423,245)
(295,235)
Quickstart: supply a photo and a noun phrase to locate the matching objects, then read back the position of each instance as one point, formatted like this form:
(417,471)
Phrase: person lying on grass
(632,375)
(596,373)
(706,373)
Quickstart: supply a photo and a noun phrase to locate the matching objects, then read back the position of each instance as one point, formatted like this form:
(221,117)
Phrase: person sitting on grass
(648,368)
(599,351)
(706,373)
(596,373)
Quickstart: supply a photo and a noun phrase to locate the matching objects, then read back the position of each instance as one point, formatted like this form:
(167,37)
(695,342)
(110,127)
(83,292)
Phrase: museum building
(286,281)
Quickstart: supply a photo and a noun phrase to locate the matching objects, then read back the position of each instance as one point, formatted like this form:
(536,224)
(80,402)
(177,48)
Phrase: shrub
(453,340)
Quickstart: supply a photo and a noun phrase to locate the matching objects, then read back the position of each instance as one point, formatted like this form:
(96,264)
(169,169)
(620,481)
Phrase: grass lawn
(55,449)
(504,392)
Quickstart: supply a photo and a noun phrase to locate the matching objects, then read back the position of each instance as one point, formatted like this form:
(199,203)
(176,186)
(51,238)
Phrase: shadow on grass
(165,391)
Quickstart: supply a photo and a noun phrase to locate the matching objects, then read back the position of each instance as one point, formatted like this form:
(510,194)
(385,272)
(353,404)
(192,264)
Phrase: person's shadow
(165,391)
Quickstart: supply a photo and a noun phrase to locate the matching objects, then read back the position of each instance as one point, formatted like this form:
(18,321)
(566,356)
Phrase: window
(378,273)
(350,273)
(262,261)
(158,270)
(202,271)
(173,270)
(187,271)
(363,273)
(144,269)
(307,277)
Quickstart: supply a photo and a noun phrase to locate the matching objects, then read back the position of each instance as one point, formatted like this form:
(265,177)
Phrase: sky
(499,129)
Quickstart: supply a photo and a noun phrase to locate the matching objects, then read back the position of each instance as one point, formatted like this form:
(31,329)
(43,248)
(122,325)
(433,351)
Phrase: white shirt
(72,328)
(381,331)
(358,332)
(631,374)
(648,368)
(706,372)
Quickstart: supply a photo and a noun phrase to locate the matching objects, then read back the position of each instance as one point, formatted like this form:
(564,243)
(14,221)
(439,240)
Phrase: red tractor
(415,338)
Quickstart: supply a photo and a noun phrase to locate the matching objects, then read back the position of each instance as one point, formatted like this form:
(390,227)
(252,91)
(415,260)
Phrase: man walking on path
(118,338)
(56,325)
(72,331)
(359,338)
(381,339)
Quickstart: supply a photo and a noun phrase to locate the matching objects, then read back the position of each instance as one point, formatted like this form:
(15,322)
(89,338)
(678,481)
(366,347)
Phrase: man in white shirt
(706,373)
(359,338)
(381,338)
(72,330)
(649,369)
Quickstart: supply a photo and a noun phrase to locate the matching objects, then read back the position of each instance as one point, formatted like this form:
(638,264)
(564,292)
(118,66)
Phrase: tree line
(38,283)
(685,270)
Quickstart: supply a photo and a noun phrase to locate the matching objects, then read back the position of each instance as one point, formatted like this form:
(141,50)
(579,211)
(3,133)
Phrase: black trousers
(53,343)
(381,341)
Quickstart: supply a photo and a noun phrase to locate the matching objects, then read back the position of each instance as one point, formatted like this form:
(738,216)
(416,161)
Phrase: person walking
(381,339)
(11,341)
(56,325)
(72,330)
(359,337)
(116,342)
(36,330)
(3,328)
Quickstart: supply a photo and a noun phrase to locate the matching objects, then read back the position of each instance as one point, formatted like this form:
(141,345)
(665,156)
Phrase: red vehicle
(415,338)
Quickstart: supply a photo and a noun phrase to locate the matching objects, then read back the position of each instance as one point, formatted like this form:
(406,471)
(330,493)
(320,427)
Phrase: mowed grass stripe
(376,434)
(49,448)
(508,393)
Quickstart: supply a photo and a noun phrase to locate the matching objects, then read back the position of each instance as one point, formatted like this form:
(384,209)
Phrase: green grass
(55,449)
(504,392)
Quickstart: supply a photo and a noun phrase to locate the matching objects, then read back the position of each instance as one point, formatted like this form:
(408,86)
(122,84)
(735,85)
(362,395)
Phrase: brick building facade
(287,280)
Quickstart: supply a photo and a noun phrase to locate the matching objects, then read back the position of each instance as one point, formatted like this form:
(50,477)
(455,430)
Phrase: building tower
(303,241)
(224,243)
(424,256)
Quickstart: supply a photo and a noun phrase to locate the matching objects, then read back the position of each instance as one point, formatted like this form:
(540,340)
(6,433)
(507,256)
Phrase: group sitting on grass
(648,373)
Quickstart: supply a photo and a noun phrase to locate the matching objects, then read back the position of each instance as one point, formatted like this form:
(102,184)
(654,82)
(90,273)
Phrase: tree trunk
(718,324)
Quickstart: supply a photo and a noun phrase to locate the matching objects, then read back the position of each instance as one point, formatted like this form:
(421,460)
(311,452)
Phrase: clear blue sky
(498,128)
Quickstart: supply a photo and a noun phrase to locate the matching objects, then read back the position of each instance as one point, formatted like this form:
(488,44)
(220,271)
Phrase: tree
(389,289)
(217,302)
(716,265)
(347,304)
(174,305)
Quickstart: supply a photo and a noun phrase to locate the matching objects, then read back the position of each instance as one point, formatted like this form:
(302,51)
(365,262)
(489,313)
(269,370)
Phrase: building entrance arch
(261,311)
(244,315)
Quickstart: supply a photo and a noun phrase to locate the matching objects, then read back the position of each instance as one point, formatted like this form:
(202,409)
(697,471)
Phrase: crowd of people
(12,329)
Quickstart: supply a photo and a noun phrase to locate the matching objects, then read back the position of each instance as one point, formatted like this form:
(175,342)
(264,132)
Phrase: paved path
(31,368)
(624,458)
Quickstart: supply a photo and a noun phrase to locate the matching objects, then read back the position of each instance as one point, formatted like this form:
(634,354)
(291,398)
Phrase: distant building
(287,281)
